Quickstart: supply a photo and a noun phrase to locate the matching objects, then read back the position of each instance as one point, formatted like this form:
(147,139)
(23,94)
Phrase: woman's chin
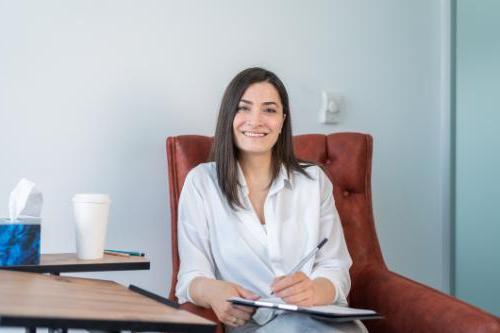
(255,151)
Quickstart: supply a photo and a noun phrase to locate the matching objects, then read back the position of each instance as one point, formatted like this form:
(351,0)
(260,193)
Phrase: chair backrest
(345,156)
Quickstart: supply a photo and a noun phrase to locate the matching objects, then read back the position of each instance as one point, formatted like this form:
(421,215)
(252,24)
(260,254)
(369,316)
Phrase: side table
(57,263)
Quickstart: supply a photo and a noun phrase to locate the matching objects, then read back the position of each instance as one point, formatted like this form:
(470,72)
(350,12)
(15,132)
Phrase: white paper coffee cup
(90,212)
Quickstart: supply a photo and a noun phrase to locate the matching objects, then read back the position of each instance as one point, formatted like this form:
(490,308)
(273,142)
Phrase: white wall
(89,90)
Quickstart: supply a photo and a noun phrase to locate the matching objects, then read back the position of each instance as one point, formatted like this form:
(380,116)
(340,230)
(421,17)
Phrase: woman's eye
(270,110)
(242,108)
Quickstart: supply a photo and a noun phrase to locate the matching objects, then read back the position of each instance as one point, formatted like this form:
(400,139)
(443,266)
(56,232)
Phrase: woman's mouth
(254,134)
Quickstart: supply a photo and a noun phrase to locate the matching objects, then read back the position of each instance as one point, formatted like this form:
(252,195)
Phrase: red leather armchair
(407,306)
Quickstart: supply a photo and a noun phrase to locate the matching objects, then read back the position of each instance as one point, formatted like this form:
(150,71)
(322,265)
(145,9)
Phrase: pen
(130,253)
(117,254)
(308,257)
(155,297)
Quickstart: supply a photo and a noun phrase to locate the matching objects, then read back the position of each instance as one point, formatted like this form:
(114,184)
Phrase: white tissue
(25,200)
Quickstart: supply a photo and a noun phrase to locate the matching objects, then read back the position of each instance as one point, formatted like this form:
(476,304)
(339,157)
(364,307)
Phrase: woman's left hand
(296,289)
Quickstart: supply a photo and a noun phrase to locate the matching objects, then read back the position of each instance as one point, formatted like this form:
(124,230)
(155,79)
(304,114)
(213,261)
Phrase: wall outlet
(332,104)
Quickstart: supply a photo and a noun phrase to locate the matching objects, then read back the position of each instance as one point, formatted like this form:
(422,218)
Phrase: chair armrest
(409,306)
(205,313)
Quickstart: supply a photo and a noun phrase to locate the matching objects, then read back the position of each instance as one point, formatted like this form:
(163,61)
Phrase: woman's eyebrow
(264,103)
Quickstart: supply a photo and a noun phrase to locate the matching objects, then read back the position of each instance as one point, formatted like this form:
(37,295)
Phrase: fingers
(235,316)
(278,278)
(283,282)
(246,293)
(234,322)
(303,299)
(295,289)
(246,309)
(229,314)
(302,295)
(298,288)
(238,313)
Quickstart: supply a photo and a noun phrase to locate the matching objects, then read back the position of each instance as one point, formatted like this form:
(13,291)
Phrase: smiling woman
(259,119)
(254,105)
(248,217)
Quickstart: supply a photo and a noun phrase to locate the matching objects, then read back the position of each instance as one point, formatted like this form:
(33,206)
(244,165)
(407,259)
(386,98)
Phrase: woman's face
(259,119)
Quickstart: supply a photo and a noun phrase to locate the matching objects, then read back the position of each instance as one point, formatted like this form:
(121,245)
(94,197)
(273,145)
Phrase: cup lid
(92,198)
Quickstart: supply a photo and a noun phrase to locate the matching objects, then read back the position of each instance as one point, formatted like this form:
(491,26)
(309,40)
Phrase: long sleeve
(333,260)
(192,232)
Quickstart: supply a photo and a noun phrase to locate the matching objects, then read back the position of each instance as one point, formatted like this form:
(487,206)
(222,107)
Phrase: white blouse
(218,242)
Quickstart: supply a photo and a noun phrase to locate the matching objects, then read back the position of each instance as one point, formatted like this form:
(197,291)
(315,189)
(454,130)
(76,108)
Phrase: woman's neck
(257,169)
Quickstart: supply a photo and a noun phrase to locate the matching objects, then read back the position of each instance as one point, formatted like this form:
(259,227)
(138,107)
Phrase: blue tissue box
(20,242)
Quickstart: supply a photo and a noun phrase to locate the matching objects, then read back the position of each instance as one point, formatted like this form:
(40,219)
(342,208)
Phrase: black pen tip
(322,243)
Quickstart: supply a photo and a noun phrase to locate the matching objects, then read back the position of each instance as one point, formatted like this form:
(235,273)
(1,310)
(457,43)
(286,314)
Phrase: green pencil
(130,253)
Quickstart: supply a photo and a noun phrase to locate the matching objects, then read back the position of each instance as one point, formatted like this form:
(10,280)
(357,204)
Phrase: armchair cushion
(409,306)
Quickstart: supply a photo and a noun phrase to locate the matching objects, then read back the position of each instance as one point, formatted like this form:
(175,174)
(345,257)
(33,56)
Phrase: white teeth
(254,134)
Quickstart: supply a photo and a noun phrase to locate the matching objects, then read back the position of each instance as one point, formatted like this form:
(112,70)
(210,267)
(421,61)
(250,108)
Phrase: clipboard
(331,313)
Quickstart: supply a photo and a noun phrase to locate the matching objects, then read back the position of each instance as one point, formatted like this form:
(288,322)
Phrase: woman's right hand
(226,312)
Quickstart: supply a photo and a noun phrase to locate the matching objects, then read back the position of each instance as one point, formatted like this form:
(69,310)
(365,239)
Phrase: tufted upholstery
(407,306)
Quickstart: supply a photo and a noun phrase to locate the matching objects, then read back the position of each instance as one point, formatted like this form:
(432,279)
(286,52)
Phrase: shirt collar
(283,179)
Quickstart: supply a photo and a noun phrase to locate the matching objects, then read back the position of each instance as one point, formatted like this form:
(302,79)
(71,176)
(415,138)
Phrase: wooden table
(36,300)
(68,262)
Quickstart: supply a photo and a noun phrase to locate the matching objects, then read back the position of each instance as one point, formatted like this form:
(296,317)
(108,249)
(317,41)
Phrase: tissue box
(19,242)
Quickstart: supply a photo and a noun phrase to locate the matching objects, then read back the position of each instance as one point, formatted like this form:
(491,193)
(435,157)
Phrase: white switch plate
(332,104)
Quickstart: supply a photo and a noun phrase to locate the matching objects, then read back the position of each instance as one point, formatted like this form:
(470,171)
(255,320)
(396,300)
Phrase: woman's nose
(254,118)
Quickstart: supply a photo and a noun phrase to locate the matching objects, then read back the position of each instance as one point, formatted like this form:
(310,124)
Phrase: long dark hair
(224,151)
